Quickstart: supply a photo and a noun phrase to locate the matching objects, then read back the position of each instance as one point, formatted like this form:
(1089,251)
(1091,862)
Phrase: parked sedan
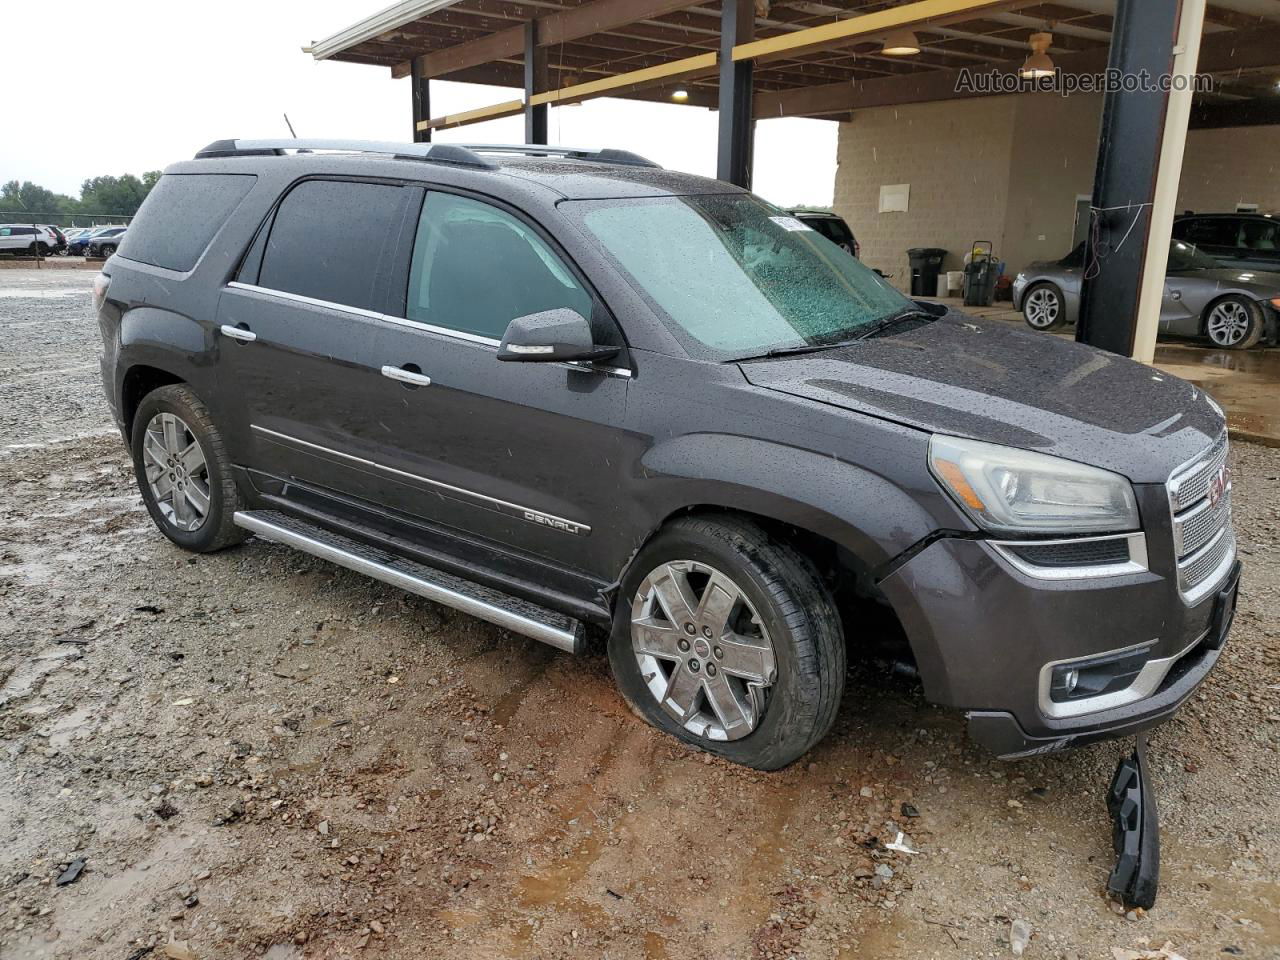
(104,242)
(1231,307)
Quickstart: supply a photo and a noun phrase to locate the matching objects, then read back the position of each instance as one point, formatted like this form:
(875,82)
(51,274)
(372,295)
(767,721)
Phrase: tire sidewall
(174,400)
(1252,335)
(762,747)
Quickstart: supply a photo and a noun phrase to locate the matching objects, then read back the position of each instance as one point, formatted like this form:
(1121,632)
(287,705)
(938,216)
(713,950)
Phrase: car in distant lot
(1233,308)
(1249,241)
(55,241)
(21,238)
(80,245)
(830,225)
(105,243)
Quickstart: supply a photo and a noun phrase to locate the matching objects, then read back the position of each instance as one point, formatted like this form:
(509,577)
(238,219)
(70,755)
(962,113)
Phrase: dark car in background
(830,225)
(562,389)
(105,243)
(1246,241)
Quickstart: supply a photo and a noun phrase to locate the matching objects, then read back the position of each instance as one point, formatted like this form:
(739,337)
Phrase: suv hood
(988,381)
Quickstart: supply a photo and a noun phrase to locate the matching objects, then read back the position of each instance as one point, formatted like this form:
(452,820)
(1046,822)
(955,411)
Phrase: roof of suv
(570,173)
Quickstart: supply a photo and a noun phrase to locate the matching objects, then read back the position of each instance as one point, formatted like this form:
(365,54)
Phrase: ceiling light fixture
(1038,64)
(900,43)
(680,94)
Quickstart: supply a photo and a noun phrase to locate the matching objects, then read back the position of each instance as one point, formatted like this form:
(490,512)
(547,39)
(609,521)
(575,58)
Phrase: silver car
(1232,307)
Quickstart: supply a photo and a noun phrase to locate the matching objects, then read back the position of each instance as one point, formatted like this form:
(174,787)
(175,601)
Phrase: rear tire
(1043,307)
(183,471)
(1234,323)
(757,609)
(106,250)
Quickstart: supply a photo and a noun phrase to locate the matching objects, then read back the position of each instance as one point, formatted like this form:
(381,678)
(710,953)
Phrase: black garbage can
(979,283)
(926,264)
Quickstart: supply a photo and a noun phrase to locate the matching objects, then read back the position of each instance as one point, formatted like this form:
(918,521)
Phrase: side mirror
(551,336)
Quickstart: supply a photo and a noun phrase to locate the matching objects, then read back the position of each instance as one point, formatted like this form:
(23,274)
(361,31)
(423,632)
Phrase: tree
(118,195)
(29,197)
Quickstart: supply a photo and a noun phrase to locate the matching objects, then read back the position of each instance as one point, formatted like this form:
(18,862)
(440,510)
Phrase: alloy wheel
(176,471)
(1042,308)
(702,650)
(1228,323)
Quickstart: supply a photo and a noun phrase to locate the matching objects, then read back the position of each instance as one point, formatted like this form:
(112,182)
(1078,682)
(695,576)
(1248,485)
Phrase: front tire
(183,471)
(1043,307)
(726,637)
(1234,323)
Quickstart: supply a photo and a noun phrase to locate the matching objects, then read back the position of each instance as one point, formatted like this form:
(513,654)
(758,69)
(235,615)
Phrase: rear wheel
(106,250)
(1235,323)
(726,637)
(1043,307)
(183,471)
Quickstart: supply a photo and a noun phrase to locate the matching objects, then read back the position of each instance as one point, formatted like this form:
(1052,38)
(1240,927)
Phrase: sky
(136,85)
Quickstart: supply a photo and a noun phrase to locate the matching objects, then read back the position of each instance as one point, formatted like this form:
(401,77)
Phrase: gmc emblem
(1219,484)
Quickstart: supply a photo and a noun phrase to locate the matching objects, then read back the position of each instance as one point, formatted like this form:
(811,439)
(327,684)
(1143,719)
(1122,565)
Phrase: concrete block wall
(1222,168)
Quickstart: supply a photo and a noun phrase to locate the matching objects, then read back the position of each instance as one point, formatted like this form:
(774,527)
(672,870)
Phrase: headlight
(1008,490)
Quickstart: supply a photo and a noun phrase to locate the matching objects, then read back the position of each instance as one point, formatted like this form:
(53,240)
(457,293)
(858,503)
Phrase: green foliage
(28,202)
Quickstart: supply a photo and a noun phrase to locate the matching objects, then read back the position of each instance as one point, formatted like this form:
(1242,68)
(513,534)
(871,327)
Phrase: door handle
(406,376)
(238,333)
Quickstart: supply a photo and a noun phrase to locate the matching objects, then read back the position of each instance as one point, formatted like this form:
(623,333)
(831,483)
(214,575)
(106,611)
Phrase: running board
(510,613)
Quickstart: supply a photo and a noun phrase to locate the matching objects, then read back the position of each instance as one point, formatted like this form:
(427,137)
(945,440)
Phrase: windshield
(1184,256)
(733,277)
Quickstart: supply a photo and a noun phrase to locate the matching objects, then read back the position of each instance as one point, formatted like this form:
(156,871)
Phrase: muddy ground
(255,753)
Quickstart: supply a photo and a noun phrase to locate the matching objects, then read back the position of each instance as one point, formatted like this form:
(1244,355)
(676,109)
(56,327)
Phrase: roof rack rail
(435,152)
(600,155)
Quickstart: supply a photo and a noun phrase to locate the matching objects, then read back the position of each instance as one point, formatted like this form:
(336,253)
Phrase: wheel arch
(139,380)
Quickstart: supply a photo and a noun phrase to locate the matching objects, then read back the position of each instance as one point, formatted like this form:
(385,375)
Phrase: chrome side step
(498,608)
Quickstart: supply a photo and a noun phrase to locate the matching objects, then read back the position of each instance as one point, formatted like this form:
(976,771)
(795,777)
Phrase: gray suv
(578,395)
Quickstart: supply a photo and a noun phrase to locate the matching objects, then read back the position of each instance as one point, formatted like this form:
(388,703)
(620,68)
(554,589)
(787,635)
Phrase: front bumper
(985,635)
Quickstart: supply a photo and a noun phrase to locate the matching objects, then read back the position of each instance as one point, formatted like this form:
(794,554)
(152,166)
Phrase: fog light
(1098,675)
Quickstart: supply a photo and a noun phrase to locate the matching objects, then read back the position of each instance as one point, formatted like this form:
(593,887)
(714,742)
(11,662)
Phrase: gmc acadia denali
(559,389)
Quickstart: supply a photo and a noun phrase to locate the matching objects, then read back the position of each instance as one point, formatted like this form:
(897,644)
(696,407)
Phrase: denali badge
(555,523)
(1219,484)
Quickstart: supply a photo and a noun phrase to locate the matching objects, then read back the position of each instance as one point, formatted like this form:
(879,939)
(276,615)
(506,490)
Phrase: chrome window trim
(502,506)
(1137,562)
(416,325)
(1144,684)
(308,301)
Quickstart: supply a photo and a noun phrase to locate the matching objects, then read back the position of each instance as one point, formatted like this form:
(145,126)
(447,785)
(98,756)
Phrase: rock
(377,927)
(866,792)
(1019,936)
(323,828)
(884,870)
(72,873)
(909,810)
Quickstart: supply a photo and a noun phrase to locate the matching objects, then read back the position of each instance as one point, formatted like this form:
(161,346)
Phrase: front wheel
(725,637)
(183,470)
(1043,308)
(1235,323)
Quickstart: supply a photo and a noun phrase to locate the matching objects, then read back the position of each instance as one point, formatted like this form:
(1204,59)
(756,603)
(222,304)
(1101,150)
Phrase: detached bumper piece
(1131,801)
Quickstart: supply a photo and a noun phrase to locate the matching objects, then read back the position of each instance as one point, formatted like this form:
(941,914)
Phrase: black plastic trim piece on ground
(1131,801)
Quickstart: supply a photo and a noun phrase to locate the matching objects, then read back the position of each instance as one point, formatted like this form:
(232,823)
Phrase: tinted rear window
(181,215)
(329,239)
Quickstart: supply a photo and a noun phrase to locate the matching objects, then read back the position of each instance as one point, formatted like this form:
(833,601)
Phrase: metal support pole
(737,128)
(421,101)
(535,81)
(1127,243)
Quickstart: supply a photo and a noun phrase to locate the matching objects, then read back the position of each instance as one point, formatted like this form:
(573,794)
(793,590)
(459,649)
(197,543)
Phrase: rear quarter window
(180,216)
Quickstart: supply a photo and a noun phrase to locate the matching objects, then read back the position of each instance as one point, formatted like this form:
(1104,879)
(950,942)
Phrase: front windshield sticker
(790,223)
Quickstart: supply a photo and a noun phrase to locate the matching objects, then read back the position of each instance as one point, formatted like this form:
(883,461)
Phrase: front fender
(876,516)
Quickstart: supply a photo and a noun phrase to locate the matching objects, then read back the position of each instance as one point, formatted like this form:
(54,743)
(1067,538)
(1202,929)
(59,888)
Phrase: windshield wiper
(880,326)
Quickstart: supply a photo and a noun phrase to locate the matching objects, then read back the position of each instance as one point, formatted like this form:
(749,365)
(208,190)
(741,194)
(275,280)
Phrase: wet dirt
(258,754)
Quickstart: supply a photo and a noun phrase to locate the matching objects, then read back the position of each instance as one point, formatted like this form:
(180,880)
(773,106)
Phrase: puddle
(38,294)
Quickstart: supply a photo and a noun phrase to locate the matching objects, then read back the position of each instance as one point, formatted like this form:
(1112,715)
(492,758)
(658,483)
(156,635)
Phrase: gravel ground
(254,753)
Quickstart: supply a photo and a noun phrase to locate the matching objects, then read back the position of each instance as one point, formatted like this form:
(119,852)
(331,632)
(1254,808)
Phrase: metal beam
(535,81)
(845,31)
(421,95)
(736,136)
(1125,181)
(636,79)
(554,29)
(508,108)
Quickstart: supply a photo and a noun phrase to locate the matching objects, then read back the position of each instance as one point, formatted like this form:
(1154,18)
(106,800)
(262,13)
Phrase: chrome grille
(1202,535)
(1191,484)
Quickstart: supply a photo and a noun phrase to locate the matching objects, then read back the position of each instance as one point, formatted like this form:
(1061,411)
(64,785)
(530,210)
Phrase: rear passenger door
(523,455)
(298,365)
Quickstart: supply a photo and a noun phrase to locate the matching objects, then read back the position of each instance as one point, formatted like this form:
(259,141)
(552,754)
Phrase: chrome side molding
(510,613)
